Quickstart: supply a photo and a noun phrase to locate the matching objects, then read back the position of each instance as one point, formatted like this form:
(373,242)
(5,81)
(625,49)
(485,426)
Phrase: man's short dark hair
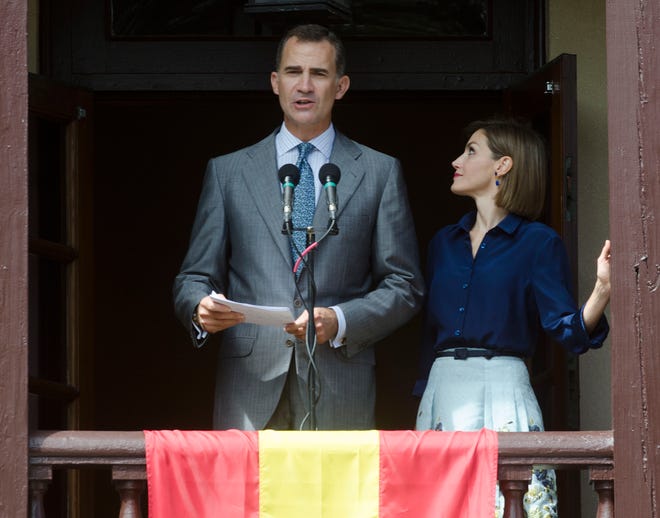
(315,33)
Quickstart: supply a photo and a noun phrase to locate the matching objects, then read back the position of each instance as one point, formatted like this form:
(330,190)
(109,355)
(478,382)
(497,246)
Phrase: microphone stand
(311,329)
(310,335)
(289,176)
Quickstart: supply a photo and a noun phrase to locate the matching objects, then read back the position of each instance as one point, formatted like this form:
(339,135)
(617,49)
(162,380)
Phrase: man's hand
(325,320)
(213,316)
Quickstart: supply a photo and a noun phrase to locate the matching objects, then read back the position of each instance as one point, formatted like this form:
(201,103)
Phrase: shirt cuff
(599,333)
(201,334)
(338,341)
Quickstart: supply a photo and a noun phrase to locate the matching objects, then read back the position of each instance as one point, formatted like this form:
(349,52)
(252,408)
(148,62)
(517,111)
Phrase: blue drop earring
(497,182)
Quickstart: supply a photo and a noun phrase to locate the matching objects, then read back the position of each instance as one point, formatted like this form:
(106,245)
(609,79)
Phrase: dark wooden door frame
(13,258)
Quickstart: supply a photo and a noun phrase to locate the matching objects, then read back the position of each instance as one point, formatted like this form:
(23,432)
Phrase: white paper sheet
(261,315)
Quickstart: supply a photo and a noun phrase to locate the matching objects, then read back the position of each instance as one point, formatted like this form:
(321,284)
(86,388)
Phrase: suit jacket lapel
(345,154)
(259,171)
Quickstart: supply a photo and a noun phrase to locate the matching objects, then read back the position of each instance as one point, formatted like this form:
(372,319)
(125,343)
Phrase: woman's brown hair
(522,189)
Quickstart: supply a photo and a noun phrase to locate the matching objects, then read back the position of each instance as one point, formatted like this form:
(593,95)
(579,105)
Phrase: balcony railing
(123,454)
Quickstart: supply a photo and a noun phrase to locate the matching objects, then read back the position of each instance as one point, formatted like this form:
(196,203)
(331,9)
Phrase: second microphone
(329,175)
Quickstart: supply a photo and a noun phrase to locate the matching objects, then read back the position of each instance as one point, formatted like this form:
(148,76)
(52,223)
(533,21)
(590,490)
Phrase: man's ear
(273,83)
(342,86)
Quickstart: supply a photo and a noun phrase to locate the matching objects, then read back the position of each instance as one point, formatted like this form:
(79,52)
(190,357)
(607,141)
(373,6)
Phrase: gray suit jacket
(370,269)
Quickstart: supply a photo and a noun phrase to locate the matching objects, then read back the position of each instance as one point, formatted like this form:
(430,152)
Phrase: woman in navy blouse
(495,281)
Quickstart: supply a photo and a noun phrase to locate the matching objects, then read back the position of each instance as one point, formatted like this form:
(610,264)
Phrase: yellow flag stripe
(328,474)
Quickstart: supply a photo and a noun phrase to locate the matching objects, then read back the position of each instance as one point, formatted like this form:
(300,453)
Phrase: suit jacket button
(289,343)
(297,303)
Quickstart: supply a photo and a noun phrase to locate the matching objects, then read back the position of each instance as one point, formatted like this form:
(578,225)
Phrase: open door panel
(548,98)
(60,276)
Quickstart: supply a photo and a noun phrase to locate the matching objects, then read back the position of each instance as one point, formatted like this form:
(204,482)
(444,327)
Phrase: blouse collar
(509,224)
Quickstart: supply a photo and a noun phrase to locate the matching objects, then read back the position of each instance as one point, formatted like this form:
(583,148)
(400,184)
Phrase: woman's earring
(497,182)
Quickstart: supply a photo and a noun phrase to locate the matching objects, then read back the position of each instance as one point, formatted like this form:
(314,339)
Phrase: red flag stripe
(438,474)
(202,474)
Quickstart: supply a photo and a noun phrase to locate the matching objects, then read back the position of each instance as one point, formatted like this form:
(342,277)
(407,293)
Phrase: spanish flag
(324,474)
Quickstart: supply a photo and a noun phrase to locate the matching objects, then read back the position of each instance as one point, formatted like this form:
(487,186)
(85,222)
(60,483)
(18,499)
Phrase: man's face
(307,85)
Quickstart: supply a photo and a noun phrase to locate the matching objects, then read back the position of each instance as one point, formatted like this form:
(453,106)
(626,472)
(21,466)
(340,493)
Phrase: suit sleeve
(204,266)
(398,286)
(558,313)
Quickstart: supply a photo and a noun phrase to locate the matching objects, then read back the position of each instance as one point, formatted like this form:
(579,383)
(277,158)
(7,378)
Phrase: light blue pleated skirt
(475,393)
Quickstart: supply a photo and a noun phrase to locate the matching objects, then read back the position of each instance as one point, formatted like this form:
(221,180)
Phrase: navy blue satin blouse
(518,284)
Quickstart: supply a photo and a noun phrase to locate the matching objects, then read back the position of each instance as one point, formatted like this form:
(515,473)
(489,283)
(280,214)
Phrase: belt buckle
(460,353)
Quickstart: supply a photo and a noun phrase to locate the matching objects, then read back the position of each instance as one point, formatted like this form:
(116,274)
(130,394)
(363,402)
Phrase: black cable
(314,383)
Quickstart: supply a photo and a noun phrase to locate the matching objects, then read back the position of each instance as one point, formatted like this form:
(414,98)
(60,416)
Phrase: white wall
(578,27)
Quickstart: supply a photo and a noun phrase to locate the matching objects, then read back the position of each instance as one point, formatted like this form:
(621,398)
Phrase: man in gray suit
(367,277)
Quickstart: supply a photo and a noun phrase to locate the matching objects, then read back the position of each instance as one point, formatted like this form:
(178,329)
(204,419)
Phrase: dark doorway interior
(150,151)
(150,155)
(166,103)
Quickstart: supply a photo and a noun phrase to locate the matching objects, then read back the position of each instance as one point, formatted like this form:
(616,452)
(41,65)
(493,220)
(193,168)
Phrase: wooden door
(548,99)
(59,229)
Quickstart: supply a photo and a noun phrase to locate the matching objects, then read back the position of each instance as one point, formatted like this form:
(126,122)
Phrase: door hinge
(551,87)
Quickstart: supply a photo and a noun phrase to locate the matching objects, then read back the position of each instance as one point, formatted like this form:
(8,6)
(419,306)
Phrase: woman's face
(474,170)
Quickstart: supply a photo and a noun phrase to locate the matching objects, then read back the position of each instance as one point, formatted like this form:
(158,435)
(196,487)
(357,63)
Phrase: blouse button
(483,245)
(457,332)
(461,309)
(465,285)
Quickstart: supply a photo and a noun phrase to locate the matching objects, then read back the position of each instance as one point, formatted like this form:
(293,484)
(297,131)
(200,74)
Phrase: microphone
(329,176)
(289,176)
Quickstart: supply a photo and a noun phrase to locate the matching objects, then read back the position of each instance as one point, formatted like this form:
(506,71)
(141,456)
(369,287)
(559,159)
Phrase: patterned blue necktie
(304,201)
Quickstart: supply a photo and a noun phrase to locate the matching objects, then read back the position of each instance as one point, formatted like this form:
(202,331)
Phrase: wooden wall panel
(13,258)
(634,160)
